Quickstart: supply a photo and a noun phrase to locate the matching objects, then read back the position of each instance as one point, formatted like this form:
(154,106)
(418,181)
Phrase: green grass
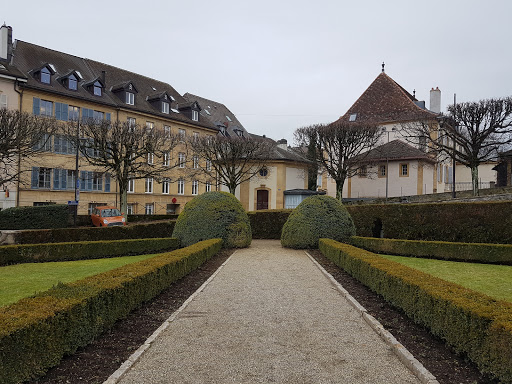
(23,280)
(492,280)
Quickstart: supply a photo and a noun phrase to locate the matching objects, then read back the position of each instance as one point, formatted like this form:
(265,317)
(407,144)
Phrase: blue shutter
(89,181)
(35,178)
(56,178)
(107,116)
(57,111)
(63,178)
(107,182)
(36,106)
(61,111)
(82,180)
(57,142)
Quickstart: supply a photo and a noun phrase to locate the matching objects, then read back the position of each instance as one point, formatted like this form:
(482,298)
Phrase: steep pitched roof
(385,101)
(28,57)
(10,72)
(396,150)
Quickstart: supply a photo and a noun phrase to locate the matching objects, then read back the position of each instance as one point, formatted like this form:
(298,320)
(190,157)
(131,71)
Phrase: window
(3,101)
(404,170)
(130,209)
(166,159)
(131,186)
(72,82)
(165,186)
(73,113)
(44,143)
(208,165)
(41,177)
(229,119)
(196,136)
(165,107)
(181,134)
(263,172)
(149,126)
(149,185)
(319,181)
(195,116)
(171,209)
(131,124)
(181,187)
(353,117)
(149,209)
(167,131)
(181,160)
(61,111)
(97,116)
(45,75)
(363,171)
(151,158)
(91,181)
(208,186)
(195,161)
(97,88)
(42,107)
(130,98)
(382,171)
(195,187)
(446,174)
(63,145)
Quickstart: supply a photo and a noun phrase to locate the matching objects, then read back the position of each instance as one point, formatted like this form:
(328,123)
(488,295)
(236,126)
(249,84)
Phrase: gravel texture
(269,315)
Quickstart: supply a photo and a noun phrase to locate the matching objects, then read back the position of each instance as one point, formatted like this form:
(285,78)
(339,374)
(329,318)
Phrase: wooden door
(262,199)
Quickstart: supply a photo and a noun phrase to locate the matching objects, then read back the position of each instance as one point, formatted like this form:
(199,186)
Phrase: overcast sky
(279,65)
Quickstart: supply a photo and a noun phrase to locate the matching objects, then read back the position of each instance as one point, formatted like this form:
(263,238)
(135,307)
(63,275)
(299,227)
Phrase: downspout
(19,155)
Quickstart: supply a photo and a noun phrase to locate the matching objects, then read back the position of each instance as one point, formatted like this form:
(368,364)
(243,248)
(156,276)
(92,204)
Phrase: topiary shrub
(214,215)
(317,217)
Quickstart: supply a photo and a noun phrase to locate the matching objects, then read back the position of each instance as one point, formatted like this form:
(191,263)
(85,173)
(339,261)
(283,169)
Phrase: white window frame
(208,165)
(181,187)
(195,115)
(196,136)
(165,186)
(149,209)
(129,209)
(195,187)
(195,161)
(208,186)
(131,186)
(131,121)
(148,185)
(151,158)
(165,107)
(167,131)
(182,134)
(166,159)
(181,160)
(130,98)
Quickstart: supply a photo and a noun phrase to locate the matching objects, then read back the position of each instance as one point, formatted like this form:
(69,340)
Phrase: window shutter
(35,177)
(107,116)
(56,178)
(36,106)
(63,178)
(107,182)
(82,181)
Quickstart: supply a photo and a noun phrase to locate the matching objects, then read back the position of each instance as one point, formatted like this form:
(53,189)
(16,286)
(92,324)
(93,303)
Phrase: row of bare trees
(470,134)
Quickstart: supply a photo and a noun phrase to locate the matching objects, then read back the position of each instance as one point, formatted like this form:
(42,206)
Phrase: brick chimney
(435,100)
(5,43)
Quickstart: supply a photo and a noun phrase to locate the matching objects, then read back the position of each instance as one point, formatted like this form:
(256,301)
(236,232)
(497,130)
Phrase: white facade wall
(295,178)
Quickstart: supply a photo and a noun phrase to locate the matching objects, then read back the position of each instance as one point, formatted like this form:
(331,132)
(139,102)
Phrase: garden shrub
(214,215)
(470,252)
(35,333)
(135,231)
(316,217)
(45,216)
(472,222)
(472,323)
(268,223)
(83,250)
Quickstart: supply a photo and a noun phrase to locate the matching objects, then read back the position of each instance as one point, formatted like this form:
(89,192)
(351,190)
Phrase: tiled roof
(396,150)
(385,101)
(10,71)
(28,57)
(217,113)
(288,155)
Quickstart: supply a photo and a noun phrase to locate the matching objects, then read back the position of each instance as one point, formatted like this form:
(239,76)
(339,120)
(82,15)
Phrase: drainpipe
(19,155)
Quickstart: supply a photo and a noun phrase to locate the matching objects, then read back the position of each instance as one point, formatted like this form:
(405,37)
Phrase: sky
(282,65)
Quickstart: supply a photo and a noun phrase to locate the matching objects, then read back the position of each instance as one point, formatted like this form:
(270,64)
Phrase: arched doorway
(262,199)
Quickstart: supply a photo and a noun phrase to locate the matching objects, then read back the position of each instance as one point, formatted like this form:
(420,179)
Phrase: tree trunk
(123,199)
(474,179)
(339,190)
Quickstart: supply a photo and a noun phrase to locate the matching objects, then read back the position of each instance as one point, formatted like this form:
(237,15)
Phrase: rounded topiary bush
(317,217)
(214,215)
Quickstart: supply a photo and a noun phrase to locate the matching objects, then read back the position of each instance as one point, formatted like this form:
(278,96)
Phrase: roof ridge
(48,49)
(408,95)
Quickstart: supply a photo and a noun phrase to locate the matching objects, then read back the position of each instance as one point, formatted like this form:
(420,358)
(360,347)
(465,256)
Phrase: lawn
(22,280)
(493,280)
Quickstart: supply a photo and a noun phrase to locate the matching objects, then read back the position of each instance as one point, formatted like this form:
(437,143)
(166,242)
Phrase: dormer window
(45,75)
(195,115)
(165,107)
(97,88)
(72,83)
(130,98)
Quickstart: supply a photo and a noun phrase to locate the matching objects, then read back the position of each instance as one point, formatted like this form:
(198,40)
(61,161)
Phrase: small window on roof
(97,88)
(353,117)
(130,98)
(45,75)
(165,107)
(207,112)
(229,119)
(72,82)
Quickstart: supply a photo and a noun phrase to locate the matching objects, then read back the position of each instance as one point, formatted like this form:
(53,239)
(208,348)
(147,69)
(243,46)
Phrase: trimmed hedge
(472,252)
(268,223)
(146,218)
(470,322)
(35,333)
(315,217)
(482,222)
(40,253)
(46,216)
(136,231)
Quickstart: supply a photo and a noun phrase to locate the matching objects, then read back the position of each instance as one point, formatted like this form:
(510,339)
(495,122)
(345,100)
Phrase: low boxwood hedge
(46,216)
(472,323)
(135,231)
(470,252)
(82,250)
(35,333)
(268,223)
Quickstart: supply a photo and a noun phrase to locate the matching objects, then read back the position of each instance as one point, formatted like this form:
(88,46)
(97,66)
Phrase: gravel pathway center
(268,316)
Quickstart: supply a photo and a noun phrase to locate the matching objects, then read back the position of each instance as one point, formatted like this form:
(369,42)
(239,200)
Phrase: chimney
(283,144)
(5,43)
(435,100)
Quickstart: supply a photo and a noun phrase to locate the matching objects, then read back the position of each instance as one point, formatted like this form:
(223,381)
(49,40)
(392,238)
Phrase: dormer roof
(126,86)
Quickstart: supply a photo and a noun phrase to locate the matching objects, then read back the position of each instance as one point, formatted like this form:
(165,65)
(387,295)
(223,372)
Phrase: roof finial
(414,93)
(383,67)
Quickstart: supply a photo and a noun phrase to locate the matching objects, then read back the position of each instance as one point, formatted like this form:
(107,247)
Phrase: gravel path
(268,316)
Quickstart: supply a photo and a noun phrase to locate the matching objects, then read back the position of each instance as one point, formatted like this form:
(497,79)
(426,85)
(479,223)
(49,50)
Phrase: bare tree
(233,160)
(341,148)
(306,140)
(471,134)
(125,151)
(21,136)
